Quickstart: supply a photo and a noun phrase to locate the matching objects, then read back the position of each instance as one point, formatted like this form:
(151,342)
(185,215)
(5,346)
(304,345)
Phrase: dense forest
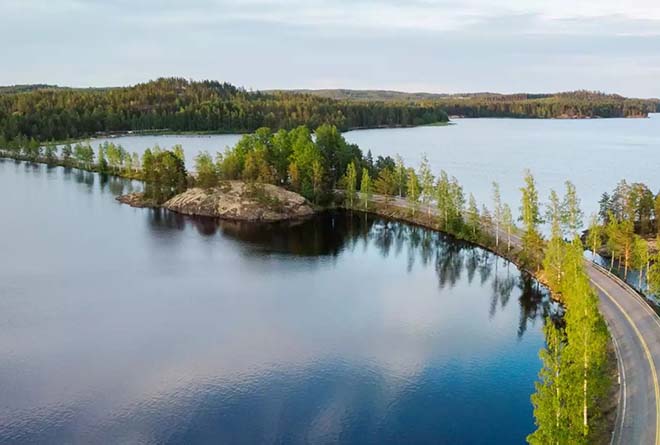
(576,104)
(178,105)
(46,112)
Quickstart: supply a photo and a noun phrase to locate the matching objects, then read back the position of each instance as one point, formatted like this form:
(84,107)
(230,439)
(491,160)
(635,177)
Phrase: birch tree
(532,242)
(413,191)
(350,181)
(365,189)
(497,212)
(426,181)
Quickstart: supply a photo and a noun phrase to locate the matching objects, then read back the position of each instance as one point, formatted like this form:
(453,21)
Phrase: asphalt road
(635,331)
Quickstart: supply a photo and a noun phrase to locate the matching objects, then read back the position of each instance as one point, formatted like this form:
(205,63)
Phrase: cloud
(438,45)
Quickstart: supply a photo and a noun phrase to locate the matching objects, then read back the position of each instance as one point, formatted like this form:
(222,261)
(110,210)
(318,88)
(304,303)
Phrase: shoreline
(224,132)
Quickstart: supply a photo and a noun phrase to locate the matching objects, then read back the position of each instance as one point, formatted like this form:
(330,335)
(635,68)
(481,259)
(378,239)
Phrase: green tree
(586,352)
(294,176)
(317,178)
(548,400)
(572,215)
(553,260)
(641,258)
(653,275)
(532,242)
(413,190)
(443,199)
(335,151)
(497,212)
(507,222)
(594,235)
(350,183)
(473,219)
(386,183)
(366,192)
(102,162)
(207,173)
(67,152)
(457,199)
(401,175)
(426,182)
(50,153)
(657,214)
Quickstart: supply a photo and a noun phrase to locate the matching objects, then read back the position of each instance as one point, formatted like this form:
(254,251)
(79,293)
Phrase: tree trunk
(585,385)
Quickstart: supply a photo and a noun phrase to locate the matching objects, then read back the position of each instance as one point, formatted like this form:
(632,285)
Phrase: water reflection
(124,325)
(333,232)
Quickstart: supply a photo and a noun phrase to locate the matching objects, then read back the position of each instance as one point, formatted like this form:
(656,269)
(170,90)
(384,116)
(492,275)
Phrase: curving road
(635,331)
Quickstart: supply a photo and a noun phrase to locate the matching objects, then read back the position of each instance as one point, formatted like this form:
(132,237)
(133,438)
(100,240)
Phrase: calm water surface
(122,325)
(593,154)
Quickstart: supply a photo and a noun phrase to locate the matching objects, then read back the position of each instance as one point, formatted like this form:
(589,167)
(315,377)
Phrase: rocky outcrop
(137,200)
(237,200)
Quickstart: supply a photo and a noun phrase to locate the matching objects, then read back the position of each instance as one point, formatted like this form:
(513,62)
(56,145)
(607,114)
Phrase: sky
(443,46)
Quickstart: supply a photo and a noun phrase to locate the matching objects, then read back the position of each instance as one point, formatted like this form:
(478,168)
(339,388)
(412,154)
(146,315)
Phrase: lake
(123,325)
(594,154)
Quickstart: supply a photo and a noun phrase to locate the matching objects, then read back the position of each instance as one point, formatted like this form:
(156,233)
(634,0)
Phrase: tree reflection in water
(331,233)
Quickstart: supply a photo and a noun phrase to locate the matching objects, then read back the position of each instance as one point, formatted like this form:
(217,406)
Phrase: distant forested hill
(49,112)
(46,112)
(576,104)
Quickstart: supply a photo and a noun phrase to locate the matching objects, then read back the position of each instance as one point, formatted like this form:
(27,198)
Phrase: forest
(575,104)
(51,113)
(48,113)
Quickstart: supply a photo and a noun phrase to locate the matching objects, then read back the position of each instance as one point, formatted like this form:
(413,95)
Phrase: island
(232,200)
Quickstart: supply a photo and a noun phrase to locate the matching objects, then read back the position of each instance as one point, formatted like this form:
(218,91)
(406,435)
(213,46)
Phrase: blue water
(122,325)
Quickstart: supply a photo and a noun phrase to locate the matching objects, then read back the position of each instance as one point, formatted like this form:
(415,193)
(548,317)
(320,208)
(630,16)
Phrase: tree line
(627,230)
(180,105)
(162,171)
(576,104)
(573,382)
(579,104)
